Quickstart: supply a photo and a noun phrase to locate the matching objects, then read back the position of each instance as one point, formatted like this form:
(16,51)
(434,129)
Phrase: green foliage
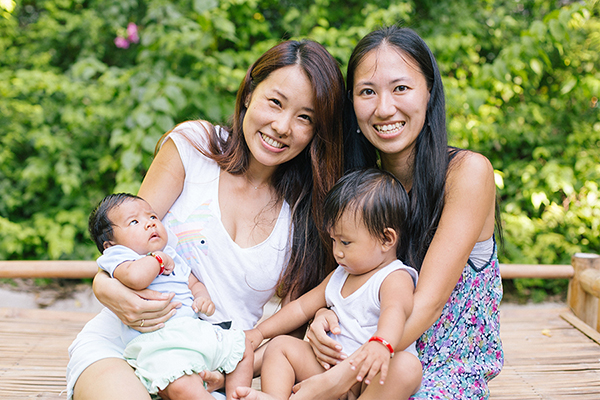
(80,117)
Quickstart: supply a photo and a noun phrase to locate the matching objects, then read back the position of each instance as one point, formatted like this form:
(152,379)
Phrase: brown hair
(304,181)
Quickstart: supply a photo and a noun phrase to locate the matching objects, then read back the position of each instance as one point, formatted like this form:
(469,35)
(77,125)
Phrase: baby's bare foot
(246,393)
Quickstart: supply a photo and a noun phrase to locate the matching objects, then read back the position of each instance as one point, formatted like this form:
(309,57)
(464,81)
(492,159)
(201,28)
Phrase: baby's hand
(372,358)
(255,337)
(203,305)
(168,262)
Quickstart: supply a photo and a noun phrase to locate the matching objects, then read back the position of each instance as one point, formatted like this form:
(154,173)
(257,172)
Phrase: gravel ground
(59,294)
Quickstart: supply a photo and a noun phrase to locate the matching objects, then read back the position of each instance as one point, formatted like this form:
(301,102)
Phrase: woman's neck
(401,167)
(258,175)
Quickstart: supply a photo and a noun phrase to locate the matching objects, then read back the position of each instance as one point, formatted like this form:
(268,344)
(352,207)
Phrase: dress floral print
(462,351)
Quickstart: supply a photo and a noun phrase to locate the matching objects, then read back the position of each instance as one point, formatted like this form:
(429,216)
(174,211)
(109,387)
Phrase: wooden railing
(48,269)
(582,298)
(87,269)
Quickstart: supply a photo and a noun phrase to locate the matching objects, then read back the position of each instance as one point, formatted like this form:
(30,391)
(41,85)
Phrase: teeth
(271,142)
(390,127)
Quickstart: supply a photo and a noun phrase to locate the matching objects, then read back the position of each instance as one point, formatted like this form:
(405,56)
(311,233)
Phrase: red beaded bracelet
(160,261)
(383,342)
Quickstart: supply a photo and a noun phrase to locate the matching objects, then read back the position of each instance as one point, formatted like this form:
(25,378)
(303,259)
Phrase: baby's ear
(107,244)
(391,238)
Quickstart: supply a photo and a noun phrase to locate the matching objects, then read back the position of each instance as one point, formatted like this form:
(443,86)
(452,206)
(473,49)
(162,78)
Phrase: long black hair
(430,156)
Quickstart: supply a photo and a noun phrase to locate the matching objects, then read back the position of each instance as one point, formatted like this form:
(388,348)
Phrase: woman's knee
(109,378)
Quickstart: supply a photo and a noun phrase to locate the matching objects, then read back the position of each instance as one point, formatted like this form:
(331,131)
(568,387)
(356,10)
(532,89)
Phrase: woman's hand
(327,350)
(143,310)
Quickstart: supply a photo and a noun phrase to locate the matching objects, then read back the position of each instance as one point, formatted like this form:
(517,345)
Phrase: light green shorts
(183,346)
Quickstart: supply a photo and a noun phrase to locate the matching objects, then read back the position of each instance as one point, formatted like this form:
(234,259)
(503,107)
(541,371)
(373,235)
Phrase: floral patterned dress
(462,350)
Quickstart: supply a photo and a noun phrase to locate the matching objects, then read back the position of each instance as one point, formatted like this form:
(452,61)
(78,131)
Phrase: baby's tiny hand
(370,359)
(204,306)
(167,262)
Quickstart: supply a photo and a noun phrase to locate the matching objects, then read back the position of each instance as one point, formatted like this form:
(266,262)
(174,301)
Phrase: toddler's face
(136,225)
(355,249)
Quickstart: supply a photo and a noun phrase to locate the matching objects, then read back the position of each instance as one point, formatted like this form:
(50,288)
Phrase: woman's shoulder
(198,135)
(193,130)
(469,165)
(470,174)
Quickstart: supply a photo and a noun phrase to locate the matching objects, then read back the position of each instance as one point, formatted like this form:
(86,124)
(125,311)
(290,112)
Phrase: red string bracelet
(160,261)
(383,342)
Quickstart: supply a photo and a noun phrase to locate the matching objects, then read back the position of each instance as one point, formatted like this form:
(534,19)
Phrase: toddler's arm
(202,302)
(396,297)
(293,315)
(139,274)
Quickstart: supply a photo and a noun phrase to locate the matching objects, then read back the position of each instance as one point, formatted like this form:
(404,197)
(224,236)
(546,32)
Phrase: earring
(357,130)
(246,104)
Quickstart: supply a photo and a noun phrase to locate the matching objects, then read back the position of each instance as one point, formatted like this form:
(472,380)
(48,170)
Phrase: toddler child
(133,242)
(371,292)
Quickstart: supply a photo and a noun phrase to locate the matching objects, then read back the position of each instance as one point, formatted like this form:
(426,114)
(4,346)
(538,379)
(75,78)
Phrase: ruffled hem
(153,386)
(237,353)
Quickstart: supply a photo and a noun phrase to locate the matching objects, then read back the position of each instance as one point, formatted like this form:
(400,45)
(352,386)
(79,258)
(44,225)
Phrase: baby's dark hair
(373,195)
(99,225)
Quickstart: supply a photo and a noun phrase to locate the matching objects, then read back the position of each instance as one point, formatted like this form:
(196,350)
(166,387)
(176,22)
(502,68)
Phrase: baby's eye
(153,217)
(133,222)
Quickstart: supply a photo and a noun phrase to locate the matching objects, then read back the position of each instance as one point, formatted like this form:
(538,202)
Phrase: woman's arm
(467,218)
(161,187)
(163,183)
(133,307)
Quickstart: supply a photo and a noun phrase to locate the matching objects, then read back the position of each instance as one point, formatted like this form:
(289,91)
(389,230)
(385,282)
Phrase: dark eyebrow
(395,81)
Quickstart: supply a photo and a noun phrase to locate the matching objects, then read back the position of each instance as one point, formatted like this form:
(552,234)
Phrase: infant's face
(136,225)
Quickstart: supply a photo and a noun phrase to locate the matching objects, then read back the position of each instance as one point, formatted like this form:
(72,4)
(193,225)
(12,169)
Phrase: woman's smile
(271,142)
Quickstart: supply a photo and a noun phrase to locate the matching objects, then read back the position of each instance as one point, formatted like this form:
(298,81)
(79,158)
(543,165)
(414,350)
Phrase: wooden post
(584,288)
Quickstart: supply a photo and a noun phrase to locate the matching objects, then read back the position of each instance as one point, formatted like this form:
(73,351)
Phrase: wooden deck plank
(545,357)
(33,351)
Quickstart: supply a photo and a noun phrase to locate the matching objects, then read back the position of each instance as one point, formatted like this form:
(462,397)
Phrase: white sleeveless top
(359,312)
(240,280)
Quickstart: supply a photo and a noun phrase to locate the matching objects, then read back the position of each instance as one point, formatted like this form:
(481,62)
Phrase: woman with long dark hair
(397,115)
(241,204)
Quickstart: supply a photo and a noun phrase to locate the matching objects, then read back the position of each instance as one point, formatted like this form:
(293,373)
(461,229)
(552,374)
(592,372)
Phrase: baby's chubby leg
(188,387)
(403,380)
(242,375)
(287,360)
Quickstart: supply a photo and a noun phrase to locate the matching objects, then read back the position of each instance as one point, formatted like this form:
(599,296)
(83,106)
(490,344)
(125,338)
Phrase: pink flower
(132,33)
(121,42)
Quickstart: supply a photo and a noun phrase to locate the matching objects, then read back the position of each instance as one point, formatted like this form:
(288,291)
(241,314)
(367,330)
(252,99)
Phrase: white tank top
(240,280)
(359,312)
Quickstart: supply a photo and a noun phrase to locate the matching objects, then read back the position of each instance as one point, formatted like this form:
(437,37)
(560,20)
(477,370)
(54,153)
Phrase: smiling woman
(241,205)
(278,123)
(390,104)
